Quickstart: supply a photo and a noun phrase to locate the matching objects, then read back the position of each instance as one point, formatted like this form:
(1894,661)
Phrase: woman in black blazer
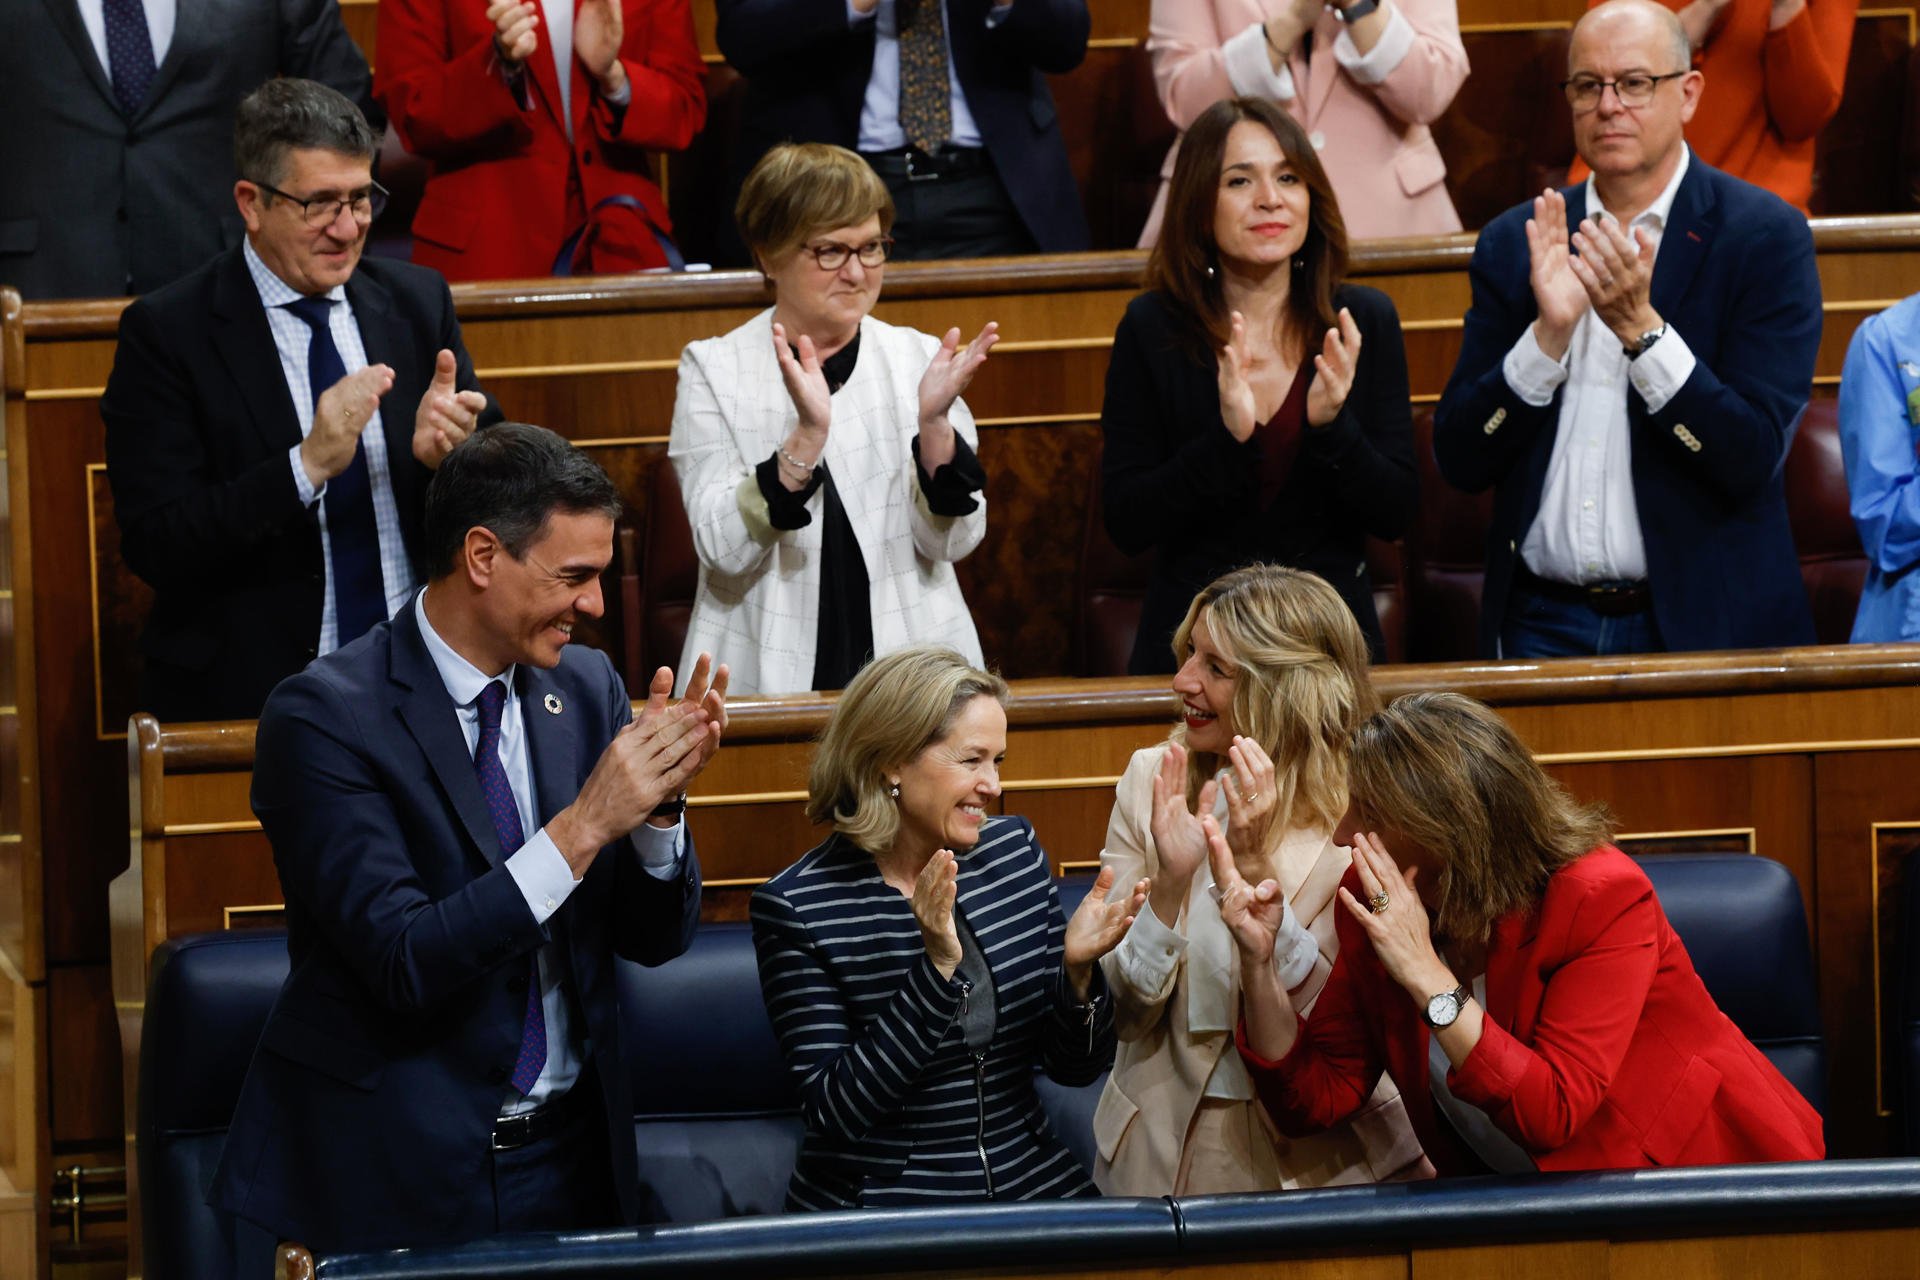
(916,966)
(1256,406)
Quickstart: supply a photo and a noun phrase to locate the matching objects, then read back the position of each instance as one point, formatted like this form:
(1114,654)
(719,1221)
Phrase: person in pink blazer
(1364,78)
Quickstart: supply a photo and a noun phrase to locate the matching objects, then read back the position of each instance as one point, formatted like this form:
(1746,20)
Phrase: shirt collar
(463,680)
(275,292)
(1656,213)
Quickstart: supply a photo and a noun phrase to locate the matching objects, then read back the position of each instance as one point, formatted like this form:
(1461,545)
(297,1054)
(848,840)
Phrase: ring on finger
(1378,902)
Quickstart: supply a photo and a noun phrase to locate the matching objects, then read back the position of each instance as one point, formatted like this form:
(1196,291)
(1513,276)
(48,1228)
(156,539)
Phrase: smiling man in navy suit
(1630,390)
(469,825)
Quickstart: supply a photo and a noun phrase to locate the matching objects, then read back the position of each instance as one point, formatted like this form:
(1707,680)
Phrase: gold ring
(1378,902)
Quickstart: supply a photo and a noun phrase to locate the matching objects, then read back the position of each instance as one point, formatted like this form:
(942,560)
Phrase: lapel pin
(552,704)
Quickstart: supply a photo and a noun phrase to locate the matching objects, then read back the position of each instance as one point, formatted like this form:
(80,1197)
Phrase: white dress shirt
(292,336)
(160,22)
(880,113)
(1251,71)
(538,867)
(1588,526)
(558,20)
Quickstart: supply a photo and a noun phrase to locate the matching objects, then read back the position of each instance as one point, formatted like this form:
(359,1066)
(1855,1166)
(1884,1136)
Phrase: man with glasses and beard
(273,418)
(1638,352)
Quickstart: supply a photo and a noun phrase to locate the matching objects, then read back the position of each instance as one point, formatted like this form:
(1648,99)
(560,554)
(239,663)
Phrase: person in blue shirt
(1879,430)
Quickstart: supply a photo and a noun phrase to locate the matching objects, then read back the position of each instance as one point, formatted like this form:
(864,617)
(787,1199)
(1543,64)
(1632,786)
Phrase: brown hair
(897,707)
(799,189)
(1184,263)
(1453,777)
(1300,685)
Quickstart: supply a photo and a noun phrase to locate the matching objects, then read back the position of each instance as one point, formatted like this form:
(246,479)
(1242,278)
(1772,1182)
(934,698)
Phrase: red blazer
(1602,1048)
(502,198)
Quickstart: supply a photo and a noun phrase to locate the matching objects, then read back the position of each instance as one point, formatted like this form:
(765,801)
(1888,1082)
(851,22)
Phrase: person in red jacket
(537,115)
(1512,971)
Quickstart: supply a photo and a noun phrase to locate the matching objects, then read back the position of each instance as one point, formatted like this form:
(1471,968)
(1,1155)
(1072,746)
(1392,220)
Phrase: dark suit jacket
(1176,482)
(199,422)
(99,206)
(1602,1048)
(1735,277)
(365,1118)
(807,71)
(896,1109)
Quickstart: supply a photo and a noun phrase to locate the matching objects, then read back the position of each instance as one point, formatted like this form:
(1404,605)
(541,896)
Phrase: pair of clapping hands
(1333,370)
(445,416)
(1611,275)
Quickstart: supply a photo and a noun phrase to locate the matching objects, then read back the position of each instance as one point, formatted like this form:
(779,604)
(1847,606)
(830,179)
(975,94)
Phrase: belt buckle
(917,177)
(510,1132)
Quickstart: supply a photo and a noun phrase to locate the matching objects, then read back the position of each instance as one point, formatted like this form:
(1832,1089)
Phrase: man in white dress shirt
(1637,355)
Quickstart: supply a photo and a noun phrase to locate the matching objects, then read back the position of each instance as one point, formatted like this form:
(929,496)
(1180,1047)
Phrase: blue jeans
(1537,626)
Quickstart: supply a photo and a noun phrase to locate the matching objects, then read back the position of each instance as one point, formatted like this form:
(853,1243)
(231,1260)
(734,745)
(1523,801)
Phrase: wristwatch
(1442,1010)
(670,808)
(1356,11)
(1645,342)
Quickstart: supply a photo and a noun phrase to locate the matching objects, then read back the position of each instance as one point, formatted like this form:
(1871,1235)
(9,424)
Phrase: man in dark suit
(1631,391)
(119,130)
(272,420)
(469,825)
(946,98)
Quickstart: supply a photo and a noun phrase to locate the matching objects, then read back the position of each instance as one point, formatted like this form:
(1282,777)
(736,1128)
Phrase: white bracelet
(804,468)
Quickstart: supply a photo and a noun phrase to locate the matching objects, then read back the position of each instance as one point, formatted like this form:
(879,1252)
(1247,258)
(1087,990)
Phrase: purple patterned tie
(129,52)
(506,824)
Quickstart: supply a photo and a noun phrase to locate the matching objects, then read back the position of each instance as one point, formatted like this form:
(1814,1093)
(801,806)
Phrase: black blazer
(807,69)
(1736,279)
(896,1109)
(365,1117)
(199,421)
(1176,482)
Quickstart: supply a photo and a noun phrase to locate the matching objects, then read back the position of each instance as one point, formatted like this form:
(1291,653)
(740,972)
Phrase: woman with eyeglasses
(826,459)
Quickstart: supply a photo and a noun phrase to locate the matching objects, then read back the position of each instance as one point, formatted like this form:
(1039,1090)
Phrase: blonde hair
(1449,774)
(897,707)
(801,188)
(1300,685)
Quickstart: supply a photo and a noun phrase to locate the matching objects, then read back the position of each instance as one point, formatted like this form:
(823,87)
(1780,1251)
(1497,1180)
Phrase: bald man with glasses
(273,418)
(1638,352)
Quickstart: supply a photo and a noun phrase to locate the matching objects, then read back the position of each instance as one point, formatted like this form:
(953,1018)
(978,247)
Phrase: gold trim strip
(9,711)
(1750,833)
(93,600)
(65,393)
(6,593)
(1036,419)
(1496,28)
(1059,784)
(617,442)
(745,797)
(1080,866)
(1912,19)
(1753,749)
(739,882)
(253,909)
(12,837)
(1114,42)
(207,828)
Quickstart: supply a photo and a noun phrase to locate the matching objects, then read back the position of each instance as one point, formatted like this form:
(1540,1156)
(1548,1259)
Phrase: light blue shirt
(538,867)
(1878,439)
(880,114)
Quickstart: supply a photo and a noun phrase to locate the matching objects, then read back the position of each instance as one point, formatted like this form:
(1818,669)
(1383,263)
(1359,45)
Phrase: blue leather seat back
(1745,929)
(207,1002)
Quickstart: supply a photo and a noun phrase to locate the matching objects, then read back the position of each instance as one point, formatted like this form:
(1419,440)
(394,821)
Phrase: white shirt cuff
(1150,951)
(542,873)
(302,483)
(659,848)
(1532,373)
(1294,949)
(998,14)
(1379,62)
(1249,68)
(621,98)
(1662,370)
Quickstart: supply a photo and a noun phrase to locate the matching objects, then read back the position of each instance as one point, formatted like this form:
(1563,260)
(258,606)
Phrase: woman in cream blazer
(1275,653)
(1367,114)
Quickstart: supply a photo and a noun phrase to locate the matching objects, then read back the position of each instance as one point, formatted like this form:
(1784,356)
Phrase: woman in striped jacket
(917,965)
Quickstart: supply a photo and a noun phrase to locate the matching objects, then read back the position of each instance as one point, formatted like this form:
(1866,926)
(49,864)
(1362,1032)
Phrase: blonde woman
(1272,679)
(916,965)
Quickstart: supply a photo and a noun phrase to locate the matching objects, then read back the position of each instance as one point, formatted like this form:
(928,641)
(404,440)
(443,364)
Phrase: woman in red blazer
(474,87)
(1513,972)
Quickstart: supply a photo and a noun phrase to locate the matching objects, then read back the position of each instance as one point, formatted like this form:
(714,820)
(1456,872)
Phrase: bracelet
(804,468)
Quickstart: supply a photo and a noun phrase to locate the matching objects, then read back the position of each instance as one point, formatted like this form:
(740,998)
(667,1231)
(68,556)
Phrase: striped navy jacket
(897,1109)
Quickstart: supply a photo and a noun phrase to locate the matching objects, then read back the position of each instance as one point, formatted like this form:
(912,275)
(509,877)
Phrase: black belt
(1608,599)
(916,165)
(510,1132)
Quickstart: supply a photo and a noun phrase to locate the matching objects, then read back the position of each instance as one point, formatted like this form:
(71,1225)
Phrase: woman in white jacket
(825,458)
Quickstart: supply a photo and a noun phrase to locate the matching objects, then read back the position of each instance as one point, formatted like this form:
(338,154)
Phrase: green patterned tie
(926,104)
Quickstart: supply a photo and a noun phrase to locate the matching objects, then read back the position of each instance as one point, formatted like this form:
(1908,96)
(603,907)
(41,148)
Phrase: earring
(1300,263)
(893,788)
(1210,271)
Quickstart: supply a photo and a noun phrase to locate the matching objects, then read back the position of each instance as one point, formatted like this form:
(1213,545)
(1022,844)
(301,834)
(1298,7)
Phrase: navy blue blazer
(807,70)
(1735,277)
(365,1117)
(897,1109)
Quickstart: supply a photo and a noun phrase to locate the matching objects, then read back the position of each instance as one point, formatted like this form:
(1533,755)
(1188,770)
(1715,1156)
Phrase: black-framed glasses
(320,211)
(832,256)
(1635,90)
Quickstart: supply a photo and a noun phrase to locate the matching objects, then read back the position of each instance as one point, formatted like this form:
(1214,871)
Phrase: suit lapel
(1692,222)
(427,711)
(66,16)
(548,720)
(191,15)
(244,341)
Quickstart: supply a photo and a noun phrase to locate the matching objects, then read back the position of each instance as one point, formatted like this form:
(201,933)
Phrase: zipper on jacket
(979,1089)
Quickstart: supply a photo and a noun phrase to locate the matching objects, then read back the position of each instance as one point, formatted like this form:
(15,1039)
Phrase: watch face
(1443,1009)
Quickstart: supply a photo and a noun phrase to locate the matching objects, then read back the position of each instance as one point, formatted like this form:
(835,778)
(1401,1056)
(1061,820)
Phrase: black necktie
(359,592)
(498,791)
(129,52)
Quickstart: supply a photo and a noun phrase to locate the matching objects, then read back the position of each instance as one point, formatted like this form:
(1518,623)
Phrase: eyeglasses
(1635,90)
(320,212)
(832,256)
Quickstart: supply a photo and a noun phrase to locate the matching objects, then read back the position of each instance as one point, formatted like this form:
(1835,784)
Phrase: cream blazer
(1369,129)
(1161,1069)
(757,608)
